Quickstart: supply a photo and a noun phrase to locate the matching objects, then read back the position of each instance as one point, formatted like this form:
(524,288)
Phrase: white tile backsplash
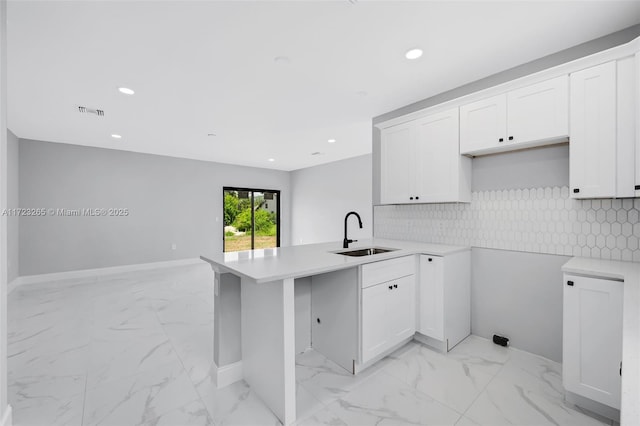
(538,220)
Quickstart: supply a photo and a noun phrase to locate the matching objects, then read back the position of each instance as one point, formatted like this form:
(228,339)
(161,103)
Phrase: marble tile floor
(136,348)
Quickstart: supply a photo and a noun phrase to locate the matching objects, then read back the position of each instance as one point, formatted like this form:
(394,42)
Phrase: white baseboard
(7,419)
(436,344)
(86,273)
(227,374)
(13,285)
(602,412)
(357,368)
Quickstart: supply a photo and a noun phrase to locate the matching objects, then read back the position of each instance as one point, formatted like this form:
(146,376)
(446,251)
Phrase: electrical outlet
(174,246)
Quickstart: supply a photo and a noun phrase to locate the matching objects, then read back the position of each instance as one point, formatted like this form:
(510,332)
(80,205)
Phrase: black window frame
(251,191)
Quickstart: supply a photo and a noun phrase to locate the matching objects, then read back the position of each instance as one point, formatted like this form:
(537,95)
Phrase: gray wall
(323,195)
(170,200)
(545,166)
(13,201)
(518,295)
(3,204)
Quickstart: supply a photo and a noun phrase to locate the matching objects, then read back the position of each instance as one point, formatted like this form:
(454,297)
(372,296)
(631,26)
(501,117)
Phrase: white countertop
(629,272)
(266,265)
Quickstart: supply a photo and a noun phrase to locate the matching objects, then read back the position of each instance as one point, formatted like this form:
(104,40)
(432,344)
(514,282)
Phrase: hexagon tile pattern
(537,220)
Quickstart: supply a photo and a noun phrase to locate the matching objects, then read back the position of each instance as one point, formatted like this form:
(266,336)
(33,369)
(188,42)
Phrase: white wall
(323,195)
(13,201)
(5,412)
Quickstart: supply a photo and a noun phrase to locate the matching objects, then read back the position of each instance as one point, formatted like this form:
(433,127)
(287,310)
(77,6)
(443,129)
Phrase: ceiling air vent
(85,110)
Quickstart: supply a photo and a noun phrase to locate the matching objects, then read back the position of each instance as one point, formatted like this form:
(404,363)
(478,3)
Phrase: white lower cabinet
(431,322)
(393,309)
(401,317)
(444,294)
(388,307)
(592,338)
(375,336)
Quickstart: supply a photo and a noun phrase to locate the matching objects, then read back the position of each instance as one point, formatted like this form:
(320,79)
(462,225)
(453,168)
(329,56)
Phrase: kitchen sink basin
(369,251)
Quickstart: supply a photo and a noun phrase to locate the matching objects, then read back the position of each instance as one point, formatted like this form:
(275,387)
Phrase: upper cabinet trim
(615,53)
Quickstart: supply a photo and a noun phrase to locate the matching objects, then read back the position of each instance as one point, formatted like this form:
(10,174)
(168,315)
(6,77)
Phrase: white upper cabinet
(592,102)
(636,121)
(483,124)
(539,112)
(398,146)
(421,163)
(603,131)
(592,159)
(531,116)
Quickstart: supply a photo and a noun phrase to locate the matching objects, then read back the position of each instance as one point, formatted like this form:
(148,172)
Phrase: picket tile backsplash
(538,220)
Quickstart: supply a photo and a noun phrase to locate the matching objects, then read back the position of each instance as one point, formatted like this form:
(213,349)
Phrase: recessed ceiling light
(116,136)
(271,160)
(331,141)
(413,53)
(282,60)
(126,90)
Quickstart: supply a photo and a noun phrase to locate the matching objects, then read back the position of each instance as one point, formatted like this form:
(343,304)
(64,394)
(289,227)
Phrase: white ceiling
(204,67)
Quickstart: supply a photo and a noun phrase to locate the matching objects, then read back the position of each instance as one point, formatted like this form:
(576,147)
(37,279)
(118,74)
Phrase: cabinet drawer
(386,270)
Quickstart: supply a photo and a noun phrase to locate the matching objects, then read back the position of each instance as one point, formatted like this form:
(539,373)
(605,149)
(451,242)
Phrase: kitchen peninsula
(373,305)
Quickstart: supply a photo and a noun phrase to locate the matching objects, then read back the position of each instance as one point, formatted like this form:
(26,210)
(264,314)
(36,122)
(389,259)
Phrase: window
(251,219)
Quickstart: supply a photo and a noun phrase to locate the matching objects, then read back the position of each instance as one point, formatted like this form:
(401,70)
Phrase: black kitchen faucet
(346,241)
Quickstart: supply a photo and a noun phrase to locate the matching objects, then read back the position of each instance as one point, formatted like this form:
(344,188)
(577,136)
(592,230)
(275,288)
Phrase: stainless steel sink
(369,251)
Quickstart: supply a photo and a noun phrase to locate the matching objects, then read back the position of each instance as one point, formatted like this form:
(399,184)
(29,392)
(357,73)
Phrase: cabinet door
(626,98)
(438,157)
(397,164)
(592,338)
(592,147)
(401,309)
(431,307)
(539,112)
(375,335)
(483,124)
